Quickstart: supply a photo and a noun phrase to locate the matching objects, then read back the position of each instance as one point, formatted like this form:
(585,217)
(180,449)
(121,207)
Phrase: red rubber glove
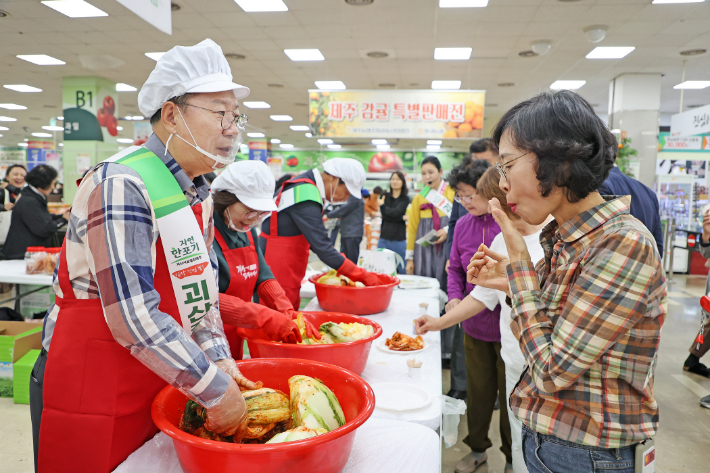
(277,326)
(356,273)
(272,295)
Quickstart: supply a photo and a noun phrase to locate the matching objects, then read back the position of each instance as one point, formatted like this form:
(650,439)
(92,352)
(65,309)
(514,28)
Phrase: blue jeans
(399,247)
(549,454)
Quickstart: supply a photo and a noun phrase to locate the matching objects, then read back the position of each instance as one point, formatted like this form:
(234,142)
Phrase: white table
(385,367)
(13,272)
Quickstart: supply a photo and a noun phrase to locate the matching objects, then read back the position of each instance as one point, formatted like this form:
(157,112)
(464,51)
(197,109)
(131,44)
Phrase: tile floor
(683,441)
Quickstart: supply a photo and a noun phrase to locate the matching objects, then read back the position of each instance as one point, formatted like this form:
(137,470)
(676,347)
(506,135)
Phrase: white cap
(252,182)
(350,171)
(187,69)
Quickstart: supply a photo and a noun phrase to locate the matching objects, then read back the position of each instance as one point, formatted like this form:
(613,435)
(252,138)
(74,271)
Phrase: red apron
(243,264)
(97,396)
(287,256)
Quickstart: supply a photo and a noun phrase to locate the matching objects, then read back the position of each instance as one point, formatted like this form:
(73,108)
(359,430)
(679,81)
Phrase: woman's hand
(426,324)
(487,269)
(514,242)
(442,236)
(9,206)
(381,200)
(452,303)
(410,266)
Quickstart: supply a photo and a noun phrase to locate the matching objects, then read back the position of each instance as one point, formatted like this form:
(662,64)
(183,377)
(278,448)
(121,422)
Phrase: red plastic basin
(326,453)
(355,300)
(351,355)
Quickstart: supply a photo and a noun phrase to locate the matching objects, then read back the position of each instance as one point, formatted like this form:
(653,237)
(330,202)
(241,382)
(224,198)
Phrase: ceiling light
(379,142)
(12,106)
(22,88)
(304,54)
(309,135)
(325,141)
(24,145)
(61,119)
(462,3)
(1,135)
(285,146)
(7,119)
(281,118)
(41,59)
(433,142)
(256,135)
(235,56)
(4,128)
(595,33)
(334,146)
(452,53)
(124,140)
(119,128)
(658,2)
(42,135)
(433,147)
(299,127)
(256,105)
(541,48)
(61,144)
(75,8)
(275,141)
(262,5)
(383,147)
(154,56)
(121,87)
(613,52)
(446,84)
(693,52)
(330,84)
(56,128)
(693,84)
(26,139)
(567,84)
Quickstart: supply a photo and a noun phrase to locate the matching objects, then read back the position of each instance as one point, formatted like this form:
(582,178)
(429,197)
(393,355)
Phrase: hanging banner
(90,110)
(155,12)
(692,122)
(425,114)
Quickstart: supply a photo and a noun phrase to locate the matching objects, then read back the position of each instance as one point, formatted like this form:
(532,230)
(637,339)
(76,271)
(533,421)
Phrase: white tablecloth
(385,367)
(380,445)
(13,272)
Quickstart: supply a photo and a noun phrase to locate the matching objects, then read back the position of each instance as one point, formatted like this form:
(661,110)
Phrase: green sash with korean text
(183,243)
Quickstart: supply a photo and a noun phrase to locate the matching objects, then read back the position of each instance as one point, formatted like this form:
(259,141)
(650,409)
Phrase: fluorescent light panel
(124,140)
(658,2)
(383,147)
(12,106)
(463,3)
(256,105)
(4,128)
(41,59)
(330,85)
(610,52)
(433,147)
(22,88)
(446,84)
(256,135)
(286,146)
(119,128)
(275,141)
(433,142)
(299,128)
(379,142)
(262,5)
(121,87)
(690,84)
(155,56)
(24,145)
(42,135)
(309,135)
(57,128)
(304,54)
(75,8)
(452,53)
(334,146)
(325,141)
(281,118)
(7,119)
(567,84)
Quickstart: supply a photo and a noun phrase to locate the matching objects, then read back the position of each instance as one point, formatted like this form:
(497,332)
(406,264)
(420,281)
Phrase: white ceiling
(408,29)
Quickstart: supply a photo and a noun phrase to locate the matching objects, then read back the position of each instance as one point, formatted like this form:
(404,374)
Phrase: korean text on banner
(692,122)
(155,12)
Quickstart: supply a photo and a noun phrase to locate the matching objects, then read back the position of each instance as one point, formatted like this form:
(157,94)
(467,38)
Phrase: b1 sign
(155,12)
(692,122)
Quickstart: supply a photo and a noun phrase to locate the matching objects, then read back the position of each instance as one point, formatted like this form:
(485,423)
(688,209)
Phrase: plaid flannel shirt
(111,254)
(588,319)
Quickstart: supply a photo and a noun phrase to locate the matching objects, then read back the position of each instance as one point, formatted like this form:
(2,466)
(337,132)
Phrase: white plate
(382,346)
(400,396)
(413,284)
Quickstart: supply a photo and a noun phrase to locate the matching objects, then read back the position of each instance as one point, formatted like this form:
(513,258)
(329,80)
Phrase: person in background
(372,203)
(352,221)
(14,181)
(692,363)
(31,223)
(393,207)
(210,177)
(644,202)
(281,180)
(425,216)
(588,317)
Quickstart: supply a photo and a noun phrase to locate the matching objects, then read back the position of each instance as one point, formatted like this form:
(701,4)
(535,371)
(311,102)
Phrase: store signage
(691,240)
(684,142)
(90,109)
(425,114)
(155,12)
(692,122)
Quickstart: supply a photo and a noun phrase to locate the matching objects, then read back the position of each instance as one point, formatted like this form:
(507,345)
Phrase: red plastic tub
(351,355)
(326,453)
(355,300)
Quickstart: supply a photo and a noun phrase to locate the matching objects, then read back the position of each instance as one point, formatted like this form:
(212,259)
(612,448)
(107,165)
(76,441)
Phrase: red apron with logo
(287,256)
(243,266)
(97,396)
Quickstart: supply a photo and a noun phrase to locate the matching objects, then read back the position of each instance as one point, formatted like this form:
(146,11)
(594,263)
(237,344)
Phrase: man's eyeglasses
(229,118)
(501,167)
(464,199)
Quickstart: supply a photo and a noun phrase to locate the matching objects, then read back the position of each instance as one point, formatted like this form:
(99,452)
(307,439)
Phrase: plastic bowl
(355,300)
(351,355)
(325,453)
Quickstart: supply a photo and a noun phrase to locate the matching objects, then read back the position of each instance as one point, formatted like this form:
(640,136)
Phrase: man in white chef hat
(136,289)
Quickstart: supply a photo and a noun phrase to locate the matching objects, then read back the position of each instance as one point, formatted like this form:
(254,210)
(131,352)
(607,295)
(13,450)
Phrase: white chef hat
(350,171)
(187,69)
(251,181)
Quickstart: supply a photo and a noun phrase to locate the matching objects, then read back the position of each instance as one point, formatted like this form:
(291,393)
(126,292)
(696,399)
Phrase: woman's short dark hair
(378,190)
(41,176)
(482,145)
(222,200)
(7,172)
(574,148)
(400,175)
(432,160)
(470,175)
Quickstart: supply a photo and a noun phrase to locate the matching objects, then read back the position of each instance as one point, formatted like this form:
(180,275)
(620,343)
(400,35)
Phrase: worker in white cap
(136,285)
(243,196)
(297,225)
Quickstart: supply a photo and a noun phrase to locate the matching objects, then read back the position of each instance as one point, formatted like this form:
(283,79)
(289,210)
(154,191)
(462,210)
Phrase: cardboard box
(16,339)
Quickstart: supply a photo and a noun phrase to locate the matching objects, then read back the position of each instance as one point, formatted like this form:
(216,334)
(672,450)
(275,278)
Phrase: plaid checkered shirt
(588,317)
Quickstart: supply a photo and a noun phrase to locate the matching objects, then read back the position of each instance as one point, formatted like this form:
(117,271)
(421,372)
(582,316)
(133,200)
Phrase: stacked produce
(331,278)
(335,333)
